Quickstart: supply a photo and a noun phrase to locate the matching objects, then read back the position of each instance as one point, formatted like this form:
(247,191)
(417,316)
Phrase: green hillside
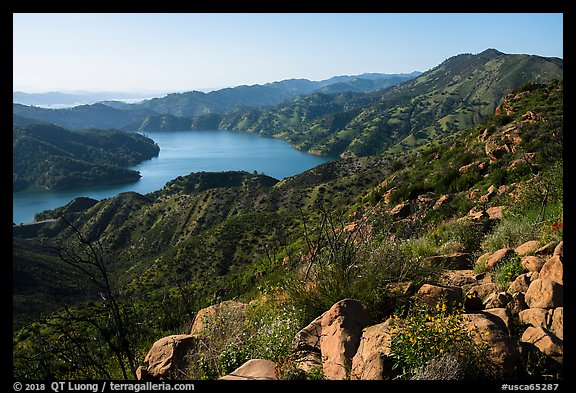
(358,227)
(48,156)
(454,95)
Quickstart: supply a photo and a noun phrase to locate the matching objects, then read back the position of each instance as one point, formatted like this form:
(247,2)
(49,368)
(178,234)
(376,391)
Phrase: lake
(183,152)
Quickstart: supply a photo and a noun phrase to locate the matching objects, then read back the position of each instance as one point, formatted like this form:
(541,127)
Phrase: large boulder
(210,315)
(544,294)
(498,256)
(254,369)
(547,343)
(528,248)
(166,356)
(557,324)
(553,270)
(537,317)
(532,263)
(371,360)
(434,294)
(342,327)
(503,355)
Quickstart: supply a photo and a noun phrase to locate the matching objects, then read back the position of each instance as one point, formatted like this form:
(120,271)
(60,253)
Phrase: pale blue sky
(180,52)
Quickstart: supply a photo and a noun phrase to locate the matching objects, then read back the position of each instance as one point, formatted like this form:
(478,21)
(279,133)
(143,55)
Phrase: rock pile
(344,344)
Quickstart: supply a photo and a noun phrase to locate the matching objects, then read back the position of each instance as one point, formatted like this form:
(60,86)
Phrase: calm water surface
(183,152)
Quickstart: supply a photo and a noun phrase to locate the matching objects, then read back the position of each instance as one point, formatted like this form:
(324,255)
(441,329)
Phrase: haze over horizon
(161,53)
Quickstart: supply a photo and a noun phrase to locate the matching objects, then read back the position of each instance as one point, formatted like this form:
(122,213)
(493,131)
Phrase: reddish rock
(557,324)
(456,261)
(371,360)
(342,327)
(388,195)
(537,317)
(544,294)
(401,210)
(440,201)
(474,215)
(528,248)
(142,374)
(545,342)
(546,249)
(308,339)
(485,290)
(517,304)
(503,354)
(434,294)
(498,257)
(210,315)
(254,369)
(532,263)
(481,261)
(559,250)
(167,355)
(497,300)
(495,212)
(458,278)
(501,316)
(553,270)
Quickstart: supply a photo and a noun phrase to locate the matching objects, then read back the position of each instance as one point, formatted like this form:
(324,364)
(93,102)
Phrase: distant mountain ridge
(56,99)
(456,94)
(347,116)
(193,103)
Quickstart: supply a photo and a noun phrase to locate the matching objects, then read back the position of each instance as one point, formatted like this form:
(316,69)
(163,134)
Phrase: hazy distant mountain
(117,114)
(56,99)
(195,103)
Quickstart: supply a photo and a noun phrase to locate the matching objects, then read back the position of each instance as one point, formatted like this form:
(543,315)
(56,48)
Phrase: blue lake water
(183,152)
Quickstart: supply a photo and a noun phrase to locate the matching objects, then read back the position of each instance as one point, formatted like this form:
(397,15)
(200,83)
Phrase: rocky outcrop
(497,257)
(532,263)
(210,315)
(330,341)
(344,345)
(166,356)
(544,294)
(553,270)
(370,361)
(503,352)
(546,343)
(342,327)
(435,294)
(401,210)
(527,248)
